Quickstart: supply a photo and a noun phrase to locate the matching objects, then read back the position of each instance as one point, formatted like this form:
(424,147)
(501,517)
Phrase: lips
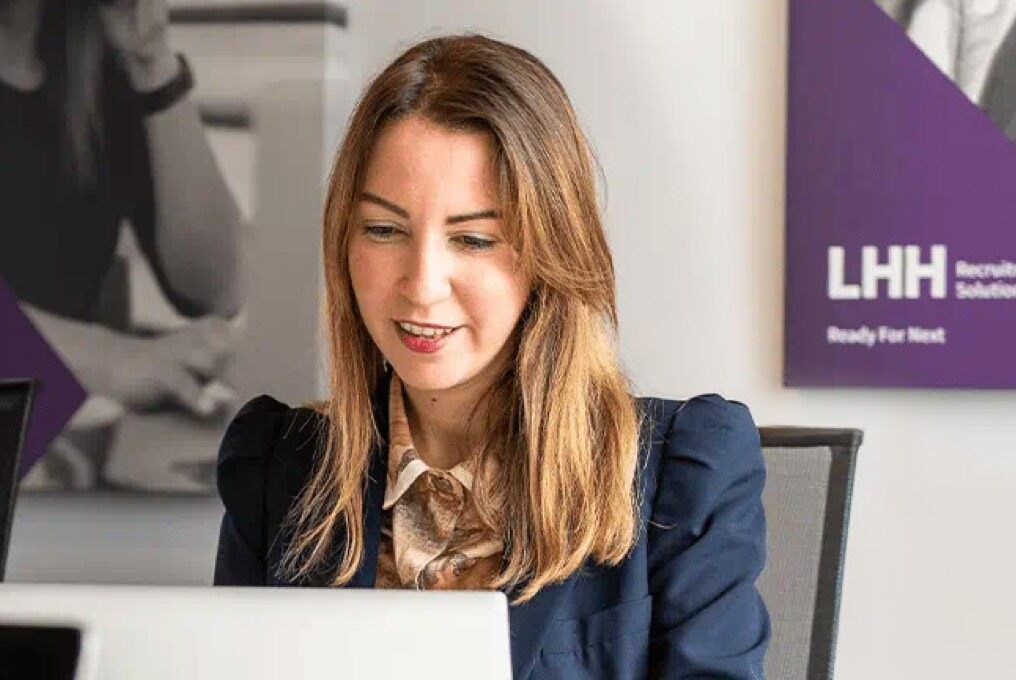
(422,344)
(423,323)
(424,330)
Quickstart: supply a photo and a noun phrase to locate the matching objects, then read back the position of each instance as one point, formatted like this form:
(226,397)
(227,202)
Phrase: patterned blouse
(431,536)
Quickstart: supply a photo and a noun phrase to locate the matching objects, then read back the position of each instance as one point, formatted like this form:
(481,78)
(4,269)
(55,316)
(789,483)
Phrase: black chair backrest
(809,483)
(15,404)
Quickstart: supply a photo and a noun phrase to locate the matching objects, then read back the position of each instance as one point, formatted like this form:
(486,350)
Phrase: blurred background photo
(159,247)
(973,43)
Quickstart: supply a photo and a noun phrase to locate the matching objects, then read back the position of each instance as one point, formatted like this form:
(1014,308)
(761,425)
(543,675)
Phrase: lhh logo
(902,270)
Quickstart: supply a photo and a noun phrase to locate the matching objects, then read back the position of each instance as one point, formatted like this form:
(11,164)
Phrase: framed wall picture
(901,209)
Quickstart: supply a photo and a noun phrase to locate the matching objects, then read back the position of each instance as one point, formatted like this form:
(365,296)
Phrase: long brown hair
(564,436)
(71,46)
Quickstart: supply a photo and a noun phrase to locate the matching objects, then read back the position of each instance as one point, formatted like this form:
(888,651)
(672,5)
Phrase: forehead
(416,160)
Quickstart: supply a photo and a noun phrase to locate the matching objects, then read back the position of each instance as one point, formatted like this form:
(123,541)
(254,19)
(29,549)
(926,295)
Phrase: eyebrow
(403,213)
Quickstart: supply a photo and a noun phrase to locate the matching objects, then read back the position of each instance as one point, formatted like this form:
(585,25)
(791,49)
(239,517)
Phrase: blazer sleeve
(707,546)
(241,470)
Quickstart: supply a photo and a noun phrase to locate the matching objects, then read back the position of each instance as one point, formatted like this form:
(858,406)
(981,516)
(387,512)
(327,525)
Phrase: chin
(433,377)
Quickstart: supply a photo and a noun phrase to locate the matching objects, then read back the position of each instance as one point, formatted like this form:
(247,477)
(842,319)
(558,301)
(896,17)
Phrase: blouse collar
(404,463)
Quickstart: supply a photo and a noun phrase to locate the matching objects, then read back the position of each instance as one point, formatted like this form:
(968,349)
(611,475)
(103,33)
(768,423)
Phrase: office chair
(809,481)
(15,403)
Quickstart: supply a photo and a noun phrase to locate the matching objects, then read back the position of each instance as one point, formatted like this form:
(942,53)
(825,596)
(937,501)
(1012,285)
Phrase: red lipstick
(422,345)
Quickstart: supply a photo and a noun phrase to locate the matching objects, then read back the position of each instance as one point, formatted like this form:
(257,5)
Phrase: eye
(380,232)
(476,242)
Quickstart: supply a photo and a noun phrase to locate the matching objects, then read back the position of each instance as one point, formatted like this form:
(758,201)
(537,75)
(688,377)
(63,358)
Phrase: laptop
(15,403)
(205,633)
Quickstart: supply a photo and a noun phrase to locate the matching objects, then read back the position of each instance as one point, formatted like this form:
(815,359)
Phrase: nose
(426,279)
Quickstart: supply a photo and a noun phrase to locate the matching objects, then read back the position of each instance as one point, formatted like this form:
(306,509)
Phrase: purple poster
(901,194)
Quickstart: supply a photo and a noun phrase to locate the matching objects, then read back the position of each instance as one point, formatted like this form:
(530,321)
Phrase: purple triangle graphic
(883,149)
(24,353)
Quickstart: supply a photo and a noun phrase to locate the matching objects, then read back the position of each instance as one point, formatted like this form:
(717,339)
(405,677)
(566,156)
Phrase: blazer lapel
(998,98)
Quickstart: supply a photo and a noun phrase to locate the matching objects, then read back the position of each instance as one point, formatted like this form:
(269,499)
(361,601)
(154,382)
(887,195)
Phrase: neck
(19,27)
(438,419)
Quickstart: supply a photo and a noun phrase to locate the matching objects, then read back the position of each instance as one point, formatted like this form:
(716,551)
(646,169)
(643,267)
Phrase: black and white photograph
(152,155)
(973,42)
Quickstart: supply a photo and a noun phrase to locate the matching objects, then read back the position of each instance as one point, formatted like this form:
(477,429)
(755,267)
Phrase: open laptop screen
(15,401)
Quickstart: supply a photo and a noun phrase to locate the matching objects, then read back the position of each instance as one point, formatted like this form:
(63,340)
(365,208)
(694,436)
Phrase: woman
(479,431)
(96,127)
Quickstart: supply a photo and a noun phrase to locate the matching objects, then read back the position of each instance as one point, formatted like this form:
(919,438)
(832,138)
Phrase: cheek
(367,273)
(496,298)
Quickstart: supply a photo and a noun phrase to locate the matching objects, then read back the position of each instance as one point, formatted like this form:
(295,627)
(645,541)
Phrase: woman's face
(427,249)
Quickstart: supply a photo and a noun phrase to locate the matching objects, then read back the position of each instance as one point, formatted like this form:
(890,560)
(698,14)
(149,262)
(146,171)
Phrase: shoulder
(699,448)
(266,442)
(263,422)
(706,540)
(254,423)
(709,422)
(713,419)
(250,436)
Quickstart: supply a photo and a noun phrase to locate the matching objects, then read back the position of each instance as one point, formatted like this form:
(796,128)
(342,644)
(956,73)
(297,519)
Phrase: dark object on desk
(15,403)
(39,652)
(809,482)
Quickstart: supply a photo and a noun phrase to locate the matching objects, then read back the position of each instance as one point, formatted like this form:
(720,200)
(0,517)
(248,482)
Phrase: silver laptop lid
(157,632)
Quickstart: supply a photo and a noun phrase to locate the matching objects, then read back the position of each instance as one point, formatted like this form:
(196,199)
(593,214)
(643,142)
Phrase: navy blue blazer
(683,604)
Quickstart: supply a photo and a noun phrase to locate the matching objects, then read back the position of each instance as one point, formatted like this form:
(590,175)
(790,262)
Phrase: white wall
(685,103)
